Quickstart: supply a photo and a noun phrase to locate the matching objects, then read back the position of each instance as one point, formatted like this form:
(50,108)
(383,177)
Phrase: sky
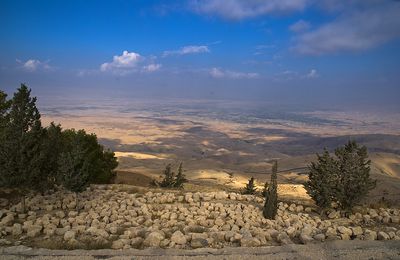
(324,52)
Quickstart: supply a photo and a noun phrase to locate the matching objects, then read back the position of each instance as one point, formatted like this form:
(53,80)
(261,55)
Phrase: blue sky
(323,51)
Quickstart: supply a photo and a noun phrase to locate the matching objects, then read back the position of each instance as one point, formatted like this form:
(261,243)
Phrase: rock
(370,235)
(69,235)
(345,230)
(383,236)
(153,239)
(219,222)
(250,242)
(198,243)
(357,231)
(305,238)
(7,220)
(178,238)
(33,231)
(136,242)
(16,229)
(319,237)
(395,219)
(117,244)
(221,195)
(194,229)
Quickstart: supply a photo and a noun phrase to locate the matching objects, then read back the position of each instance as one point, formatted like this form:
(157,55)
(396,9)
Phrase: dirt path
(351,250)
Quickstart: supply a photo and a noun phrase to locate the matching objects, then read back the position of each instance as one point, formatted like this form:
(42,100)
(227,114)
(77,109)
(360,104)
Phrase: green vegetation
(264,192)
(170,180)
(250,187)
(180,177)
(343,178)
(271,198)
(34,158)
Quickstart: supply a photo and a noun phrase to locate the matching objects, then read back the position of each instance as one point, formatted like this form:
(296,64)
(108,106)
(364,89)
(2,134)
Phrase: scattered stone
(198,243)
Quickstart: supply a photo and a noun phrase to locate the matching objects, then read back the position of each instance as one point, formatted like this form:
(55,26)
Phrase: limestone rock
(178,238)
(69,235)
(153,239)
(198,243)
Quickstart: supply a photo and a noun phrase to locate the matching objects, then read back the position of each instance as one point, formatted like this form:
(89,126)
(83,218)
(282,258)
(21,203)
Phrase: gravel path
(351,250)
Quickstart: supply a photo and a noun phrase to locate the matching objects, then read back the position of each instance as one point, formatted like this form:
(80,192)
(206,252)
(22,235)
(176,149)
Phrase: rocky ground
(107,217)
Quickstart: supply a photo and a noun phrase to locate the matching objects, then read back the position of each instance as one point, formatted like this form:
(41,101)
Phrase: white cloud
(130,62)
(219,73)
(191,49)
(312,74)
(151,67)
(366,28)
(127,61)
(34,65)
(300,26)
(242,9)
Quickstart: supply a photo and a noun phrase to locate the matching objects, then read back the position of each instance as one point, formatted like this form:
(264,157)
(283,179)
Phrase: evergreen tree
(271,200)
(22,157)
(264,192)
(354,174)
(343,178)
(180,177)
(323,177)
(74,170)
(250,187)
(102,162)
(4,110)
(168,180)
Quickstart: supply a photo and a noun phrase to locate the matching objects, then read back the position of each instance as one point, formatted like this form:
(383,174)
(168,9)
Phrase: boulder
(249,242)
(69,235)
(136,242)
(198,243)
(383,236)
(118,244)
(16,229)
(370,235)
(305,238)
(178,238)
(153,239)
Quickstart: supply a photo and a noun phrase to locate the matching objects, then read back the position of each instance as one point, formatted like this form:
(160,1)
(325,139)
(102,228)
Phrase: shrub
(250,187)
(271,199)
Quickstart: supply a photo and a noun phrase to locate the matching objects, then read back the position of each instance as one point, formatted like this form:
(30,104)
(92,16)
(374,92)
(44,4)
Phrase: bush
(170,180)
(250,187)
(343,178)
(271,199)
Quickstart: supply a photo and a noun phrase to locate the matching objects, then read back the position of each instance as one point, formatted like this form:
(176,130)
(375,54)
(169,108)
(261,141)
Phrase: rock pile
(189,220)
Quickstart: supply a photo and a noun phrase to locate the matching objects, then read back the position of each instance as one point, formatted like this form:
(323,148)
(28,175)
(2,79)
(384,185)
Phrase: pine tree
(264,192)
(168,180)
(323,177)
(180,177)
(4,110)
(271,200)
(343,178)
(250,187)
(22,158)
(354,174)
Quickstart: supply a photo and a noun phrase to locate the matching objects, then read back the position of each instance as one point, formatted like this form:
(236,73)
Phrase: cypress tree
(180,177)
(271,200)
(250,187)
